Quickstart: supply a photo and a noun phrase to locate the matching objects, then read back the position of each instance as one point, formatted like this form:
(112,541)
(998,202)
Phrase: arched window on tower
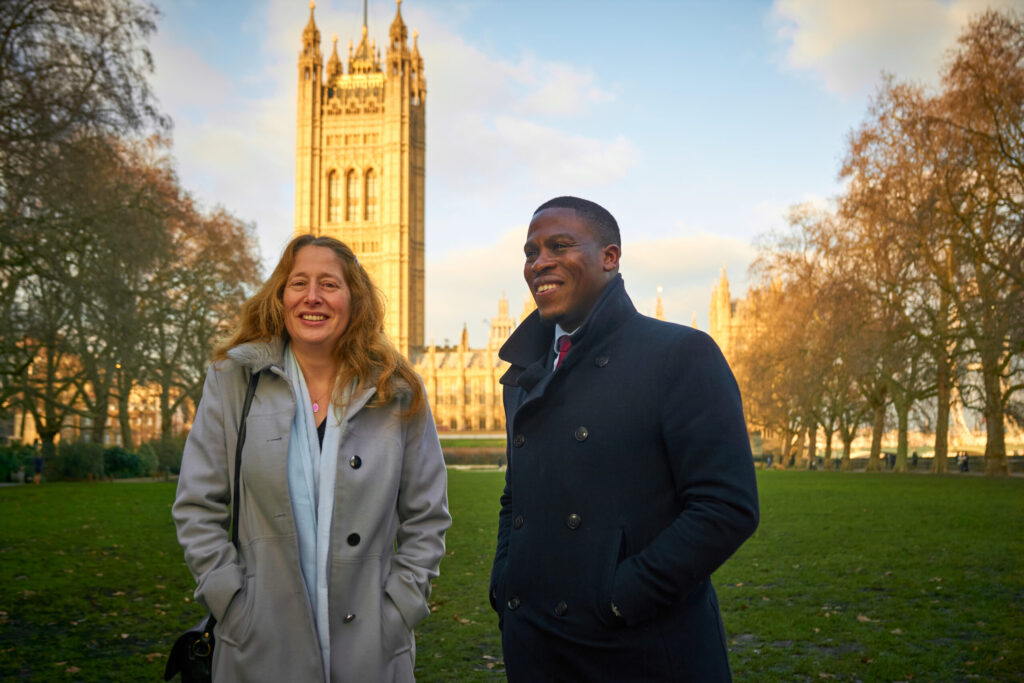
(371,195)
(351,196)
(333,197)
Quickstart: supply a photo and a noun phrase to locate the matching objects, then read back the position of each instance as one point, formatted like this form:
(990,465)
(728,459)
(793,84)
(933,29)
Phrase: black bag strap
(254,379)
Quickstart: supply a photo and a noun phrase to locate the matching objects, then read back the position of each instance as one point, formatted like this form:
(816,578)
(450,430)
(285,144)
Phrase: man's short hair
(601,222)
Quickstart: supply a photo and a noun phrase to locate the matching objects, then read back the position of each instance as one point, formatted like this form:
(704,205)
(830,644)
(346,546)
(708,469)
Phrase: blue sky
(697,123)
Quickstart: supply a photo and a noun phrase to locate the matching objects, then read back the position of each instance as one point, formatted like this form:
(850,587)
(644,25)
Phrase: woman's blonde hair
(363,352)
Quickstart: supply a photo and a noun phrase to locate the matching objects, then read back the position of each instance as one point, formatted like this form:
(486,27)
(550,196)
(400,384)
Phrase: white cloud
(847,45)
(553,158)
(558,89)
(495,125)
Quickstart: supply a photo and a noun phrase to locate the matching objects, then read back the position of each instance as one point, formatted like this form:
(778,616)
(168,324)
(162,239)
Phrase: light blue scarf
(312,471)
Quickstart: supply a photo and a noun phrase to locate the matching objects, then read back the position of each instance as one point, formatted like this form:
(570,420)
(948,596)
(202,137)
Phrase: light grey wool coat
(387,534)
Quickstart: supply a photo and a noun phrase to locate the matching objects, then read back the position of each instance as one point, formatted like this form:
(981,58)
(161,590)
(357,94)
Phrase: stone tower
(720,314)
(359,163)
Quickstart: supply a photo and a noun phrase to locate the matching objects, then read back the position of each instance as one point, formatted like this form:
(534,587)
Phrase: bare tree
(983,112)
(70,70)
(201,284)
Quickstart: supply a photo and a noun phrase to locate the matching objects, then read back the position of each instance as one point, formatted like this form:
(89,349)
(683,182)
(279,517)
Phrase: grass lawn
(872,577)
(472,443)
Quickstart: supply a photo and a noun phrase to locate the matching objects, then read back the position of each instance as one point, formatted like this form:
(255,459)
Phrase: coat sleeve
(504,527)
(423,519)
(201,509)
(706,441)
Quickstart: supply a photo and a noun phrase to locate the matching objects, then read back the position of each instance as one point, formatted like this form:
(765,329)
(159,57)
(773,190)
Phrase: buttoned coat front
(630,480)
(387,535)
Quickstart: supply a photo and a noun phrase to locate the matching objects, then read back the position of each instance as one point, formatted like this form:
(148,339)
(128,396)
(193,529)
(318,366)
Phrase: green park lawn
(870,577)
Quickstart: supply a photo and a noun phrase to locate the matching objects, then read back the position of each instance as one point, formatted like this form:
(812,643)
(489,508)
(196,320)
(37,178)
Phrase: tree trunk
(903,420)
(165,410)
(944,388)
(943,379)
(995,426)
(799,450)
(99,417)
(786,447)
(124,418)
(876,438)
(812,444)
(827,465)
(847,465)
(48,445)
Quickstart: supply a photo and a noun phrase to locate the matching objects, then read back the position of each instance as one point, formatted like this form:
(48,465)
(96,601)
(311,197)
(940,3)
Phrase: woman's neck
(317,369)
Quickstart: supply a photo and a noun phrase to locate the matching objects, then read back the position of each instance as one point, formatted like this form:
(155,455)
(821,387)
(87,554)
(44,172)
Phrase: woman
(343,506)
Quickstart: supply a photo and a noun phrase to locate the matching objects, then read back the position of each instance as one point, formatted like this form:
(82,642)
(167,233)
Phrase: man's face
(566,266)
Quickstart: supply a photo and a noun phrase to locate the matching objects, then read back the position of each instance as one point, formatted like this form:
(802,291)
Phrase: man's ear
(610,257)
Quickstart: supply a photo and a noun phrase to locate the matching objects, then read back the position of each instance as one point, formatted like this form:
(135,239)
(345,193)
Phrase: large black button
(517,523)
(518,441)
(561,608)
(573,521)
(601,361)
(349,618)
(355,462)
(513,603)
(581,433)
(353,539)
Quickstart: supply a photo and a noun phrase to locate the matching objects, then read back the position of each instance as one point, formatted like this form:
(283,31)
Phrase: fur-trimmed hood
(259,355)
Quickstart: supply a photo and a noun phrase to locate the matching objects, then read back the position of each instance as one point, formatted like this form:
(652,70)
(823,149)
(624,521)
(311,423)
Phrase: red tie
(564,344)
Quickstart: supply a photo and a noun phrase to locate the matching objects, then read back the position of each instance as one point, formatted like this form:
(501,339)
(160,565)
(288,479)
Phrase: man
(630,477)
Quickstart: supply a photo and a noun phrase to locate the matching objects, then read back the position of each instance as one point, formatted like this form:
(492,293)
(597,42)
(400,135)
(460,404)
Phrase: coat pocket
(396,637)
(615,555)
(237,623)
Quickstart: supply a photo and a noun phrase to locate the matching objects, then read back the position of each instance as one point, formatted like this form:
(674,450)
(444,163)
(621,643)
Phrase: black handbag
(192,653)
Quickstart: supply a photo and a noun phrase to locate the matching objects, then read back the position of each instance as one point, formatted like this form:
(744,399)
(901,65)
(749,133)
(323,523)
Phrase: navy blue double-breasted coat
(630,480)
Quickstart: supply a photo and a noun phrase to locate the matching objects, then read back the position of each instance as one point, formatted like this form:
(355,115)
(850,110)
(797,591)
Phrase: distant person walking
(963,461)
(37,462)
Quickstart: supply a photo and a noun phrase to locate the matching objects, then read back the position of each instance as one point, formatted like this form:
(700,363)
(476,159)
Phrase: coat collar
(258,356)
(528,348)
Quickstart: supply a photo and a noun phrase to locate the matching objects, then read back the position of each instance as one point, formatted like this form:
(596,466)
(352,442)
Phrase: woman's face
(316,301)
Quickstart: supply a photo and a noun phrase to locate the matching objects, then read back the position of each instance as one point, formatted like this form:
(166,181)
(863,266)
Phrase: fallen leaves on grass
(864,619)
